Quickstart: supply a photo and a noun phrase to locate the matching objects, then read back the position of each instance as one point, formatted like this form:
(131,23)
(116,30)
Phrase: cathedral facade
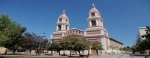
(94,32)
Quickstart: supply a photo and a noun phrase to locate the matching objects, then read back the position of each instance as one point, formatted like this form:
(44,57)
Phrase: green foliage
(112,47)
(32,41)
(56,46)
(70,42)
(10,33)
(5,28)
(74,42)
(97,46)
(81,44)
(9,30)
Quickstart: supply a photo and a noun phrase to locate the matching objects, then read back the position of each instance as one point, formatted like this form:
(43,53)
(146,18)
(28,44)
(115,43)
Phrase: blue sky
(121,17)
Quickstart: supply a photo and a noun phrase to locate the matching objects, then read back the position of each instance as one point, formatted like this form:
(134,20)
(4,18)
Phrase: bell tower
(94,18)
(95,30)
(62,26)
(63,22)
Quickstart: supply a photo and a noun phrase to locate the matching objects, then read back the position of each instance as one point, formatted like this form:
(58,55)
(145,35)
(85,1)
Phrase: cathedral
(94,32)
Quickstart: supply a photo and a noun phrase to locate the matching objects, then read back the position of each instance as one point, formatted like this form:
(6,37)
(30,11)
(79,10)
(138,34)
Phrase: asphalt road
(117,56)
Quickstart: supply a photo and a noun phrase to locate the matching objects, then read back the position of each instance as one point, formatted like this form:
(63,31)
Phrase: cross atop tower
(93,5)
(63,12)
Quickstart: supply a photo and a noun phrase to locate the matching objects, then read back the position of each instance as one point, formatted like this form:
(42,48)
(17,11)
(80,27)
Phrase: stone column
(89,23)
(68,27)
(104,44)
(97,22)
(57,27)
(62,27)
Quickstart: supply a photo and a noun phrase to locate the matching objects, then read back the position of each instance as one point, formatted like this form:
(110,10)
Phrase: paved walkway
(117,56)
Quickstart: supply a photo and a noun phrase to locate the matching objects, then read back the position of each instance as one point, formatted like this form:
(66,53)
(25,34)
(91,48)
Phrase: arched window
(59,27)
(60,19)
(92,14)
(93,22)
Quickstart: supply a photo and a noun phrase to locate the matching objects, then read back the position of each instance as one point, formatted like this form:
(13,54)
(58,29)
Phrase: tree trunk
(5,51)
(97,52)
(59,53)
(30,51)
(38,52)
(64,52)
(70,53)
(79,53)
(14,51)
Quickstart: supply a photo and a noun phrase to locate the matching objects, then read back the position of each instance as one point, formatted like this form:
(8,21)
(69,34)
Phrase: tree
(147,38)
(143,44)
(29,41)
(33,41)
(81,44)
(55,46)
(15,41)
(74,42)
(6,28)
(112,47)
(10,33)
(97,46)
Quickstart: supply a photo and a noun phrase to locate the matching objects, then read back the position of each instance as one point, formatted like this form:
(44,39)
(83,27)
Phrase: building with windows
(141,31)
(94,32)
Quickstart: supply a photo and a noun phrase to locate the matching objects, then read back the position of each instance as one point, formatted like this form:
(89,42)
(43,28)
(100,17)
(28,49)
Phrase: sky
(121,18)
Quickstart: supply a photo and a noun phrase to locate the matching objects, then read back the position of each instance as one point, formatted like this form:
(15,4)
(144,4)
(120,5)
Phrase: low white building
(141,31)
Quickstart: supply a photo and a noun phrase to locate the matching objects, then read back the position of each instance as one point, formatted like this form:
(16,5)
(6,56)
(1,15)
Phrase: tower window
(92,14)
(60,20)
(66,27)
(59,27)
(93,23)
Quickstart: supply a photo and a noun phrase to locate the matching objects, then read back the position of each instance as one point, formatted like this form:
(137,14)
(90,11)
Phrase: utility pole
(42,37)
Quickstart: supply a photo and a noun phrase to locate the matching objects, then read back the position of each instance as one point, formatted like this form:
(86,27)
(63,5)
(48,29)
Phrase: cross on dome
(93,10)
(93,5)
(63,12)
(63,15)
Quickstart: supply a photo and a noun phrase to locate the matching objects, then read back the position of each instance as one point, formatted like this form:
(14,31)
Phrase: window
(66,27)
(59,27)
(92,14)
(93,23)
(60,20)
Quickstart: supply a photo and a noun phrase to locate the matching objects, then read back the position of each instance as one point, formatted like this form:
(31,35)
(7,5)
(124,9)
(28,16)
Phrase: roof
(115,40)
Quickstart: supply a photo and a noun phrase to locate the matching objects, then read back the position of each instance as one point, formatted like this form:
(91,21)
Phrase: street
(117,56)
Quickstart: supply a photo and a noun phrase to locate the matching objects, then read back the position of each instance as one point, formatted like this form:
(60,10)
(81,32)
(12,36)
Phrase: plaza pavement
(92,56)
(117,56)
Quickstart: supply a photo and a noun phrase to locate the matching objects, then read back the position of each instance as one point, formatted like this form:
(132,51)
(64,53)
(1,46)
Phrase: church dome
(93,10)
(63,15)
